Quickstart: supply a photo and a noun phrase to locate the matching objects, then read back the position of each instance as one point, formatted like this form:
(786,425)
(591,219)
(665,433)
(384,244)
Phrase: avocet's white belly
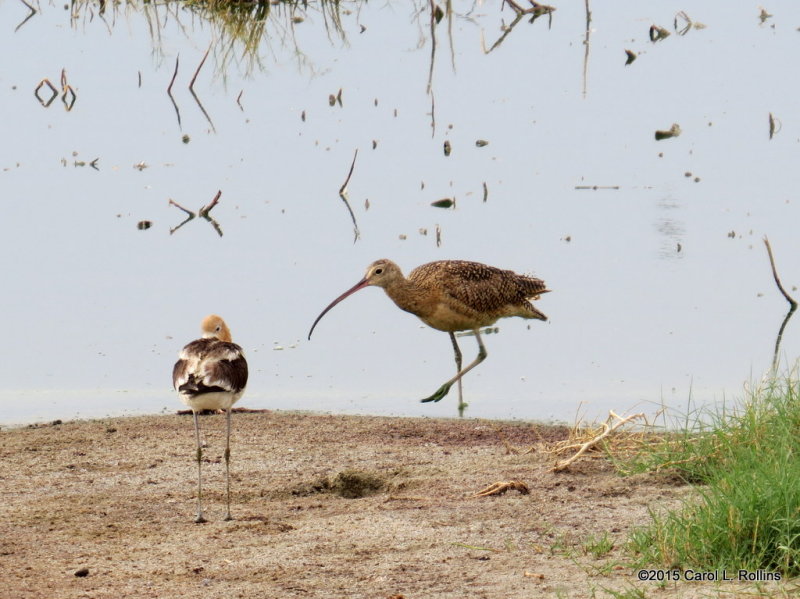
(211,401)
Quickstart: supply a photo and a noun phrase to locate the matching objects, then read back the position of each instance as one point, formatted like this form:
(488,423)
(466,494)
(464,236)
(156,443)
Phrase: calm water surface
(662,292)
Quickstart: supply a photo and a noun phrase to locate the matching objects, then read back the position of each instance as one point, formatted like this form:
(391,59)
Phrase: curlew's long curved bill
(360,285)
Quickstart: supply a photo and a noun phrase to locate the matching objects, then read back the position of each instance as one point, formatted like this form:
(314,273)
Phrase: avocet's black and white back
(211,374)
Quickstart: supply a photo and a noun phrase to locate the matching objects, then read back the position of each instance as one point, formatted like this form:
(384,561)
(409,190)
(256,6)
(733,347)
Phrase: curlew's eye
(378,271)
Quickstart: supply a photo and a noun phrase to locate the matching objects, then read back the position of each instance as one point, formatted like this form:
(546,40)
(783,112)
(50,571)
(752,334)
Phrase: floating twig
(208,207)
(26,19)
(783,291)
(485,192)
(685,26)
(343,195)
(68,97)
(194,95)
(169,89)
(658,33)
(789,298)
(53,89)
(673,131)
(197,72)
(774,125)
(631,57)
(596,187)
(239,100)
(203,212)
(186,210)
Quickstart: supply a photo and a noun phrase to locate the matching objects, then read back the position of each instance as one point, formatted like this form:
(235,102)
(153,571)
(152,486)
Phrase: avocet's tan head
(214,327)
(381,273)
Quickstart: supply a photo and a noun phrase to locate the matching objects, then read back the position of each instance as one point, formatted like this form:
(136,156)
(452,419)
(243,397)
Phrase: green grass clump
(746,514)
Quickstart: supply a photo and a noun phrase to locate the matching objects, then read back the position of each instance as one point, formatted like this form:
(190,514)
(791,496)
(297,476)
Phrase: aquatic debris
(447,147)
(333,99)
(686,24)
(185,138)
(374,143)
(764,15)
(203,212)
(194,95)
(140,166)
(774,125)
(787,297)
(438,13)
(444,203)
(343,195)
(481,143)
(53,90)
(68,95)
(536,10)
(631,57)
(658,33)
(596,187)
(239,100)
(673,131)
(197,72)
(169,89)
(143,225)
(438,236)
(30,14)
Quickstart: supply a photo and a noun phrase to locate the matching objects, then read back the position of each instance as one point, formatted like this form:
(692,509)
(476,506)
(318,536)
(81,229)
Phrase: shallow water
(662,291)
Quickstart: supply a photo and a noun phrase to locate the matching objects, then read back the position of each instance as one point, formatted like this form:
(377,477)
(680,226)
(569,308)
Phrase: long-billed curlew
(453,295)
(211,374)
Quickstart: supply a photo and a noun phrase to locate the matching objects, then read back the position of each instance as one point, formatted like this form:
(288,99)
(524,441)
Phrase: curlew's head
(381,273)
(214,327)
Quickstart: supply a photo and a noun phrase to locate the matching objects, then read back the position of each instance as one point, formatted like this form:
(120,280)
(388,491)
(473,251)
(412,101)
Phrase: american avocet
(211,374)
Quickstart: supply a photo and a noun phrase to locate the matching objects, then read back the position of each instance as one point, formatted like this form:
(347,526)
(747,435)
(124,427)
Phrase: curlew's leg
(457,351)
(199,517)
(227,464)
(443,390)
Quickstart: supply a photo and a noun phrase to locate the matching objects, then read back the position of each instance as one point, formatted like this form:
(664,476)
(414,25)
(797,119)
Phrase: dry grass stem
(613,423)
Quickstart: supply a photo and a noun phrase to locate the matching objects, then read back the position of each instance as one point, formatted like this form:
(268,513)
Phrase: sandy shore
(323,506)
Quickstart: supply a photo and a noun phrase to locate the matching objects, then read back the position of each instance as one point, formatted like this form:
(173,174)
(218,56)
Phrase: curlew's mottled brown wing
(482,288)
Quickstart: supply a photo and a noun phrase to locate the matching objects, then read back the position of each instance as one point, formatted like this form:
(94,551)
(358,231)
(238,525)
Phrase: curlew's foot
(440,393)
(199,519)
(228,517)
